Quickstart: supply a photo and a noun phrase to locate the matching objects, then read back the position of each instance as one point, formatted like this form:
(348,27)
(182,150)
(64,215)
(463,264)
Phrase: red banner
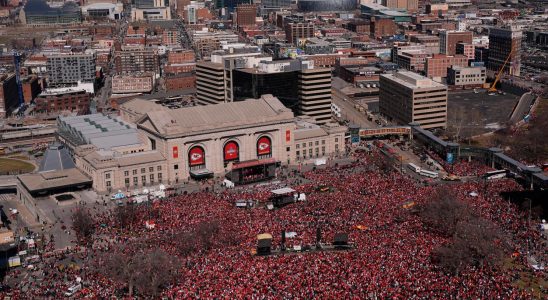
(264,146)
(288,136)
(196,156)
(175,152)
(231,151)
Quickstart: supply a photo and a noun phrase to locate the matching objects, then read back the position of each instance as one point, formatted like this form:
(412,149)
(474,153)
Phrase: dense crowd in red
(391,257)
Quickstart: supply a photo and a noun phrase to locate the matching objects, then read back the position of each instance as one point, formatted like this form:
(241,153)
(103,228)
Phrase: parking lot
(480,110)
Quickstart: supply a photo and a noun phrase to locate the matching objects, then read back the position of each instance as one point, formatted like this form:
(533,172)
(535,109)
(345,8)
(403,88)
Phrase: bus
(428,173)
(498,174)
(414,167)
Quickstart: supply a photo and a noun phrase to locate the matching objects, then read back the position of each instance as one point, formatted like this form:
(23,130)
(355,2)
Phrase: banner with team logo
(231,151)
(264,146)
(196,156)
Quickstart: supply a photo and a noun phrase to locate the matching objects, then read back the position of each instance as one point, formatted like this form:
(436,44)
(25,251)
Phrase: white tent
(473,194)
(283,191)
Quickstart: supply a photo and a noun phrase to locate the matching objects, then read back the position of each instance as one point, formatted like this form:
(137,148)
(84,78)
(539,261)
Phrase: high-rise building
(406,97)
(246,15)
(297,31)
(275,3)
(409,5)
(315,94)
(214,78)
(450,38)
(9,98)
(70,68)
(505,43)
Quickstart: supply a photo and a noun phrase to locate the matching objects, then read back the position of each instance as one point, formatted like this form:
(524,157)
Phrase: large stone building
(407,97)
(245,141)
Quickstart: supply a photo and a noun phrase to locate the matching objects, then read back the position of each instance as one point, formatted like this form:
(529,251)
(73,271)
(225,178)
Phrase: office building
(466,76)
(382,27)
(246,15)
(151,3)
(431,42)
(214,78)
(314,94)
(505,44)
(436,66)
(9,97)
(407,97)
(65,69)
(466,50)
(154,13)
(450,38)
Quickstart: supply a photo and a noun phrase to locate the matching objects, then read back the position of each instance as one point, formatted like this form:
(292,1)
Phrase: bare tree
(443,212)
(126,216)
(83,223)
(158,269)
(122,266)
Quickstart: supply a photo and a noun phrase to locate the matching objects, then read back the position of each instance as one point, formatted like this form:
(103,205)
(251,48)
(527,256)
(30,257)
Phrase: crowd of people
(390,257)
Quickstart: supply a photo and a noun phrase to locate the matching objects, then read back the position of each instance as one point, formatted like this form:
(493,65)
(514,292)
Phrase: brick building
(298,31)
(179,56)
(358,26)
(413,60)
(136,59)
(436,66)
(466,49)
(126,84)
(31,88)
(383,27)
(180,82)
(246,15)
(63,99)
(450,38)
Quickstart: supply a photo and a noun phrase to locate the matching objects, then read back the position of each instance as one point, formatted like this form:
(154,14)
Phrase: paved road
(349,112)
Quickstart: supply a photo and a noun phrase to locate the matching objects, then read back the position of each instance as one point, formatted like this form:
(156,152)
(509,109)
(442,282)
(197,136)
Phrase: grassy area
(15,166)
(527,279)
(19,156)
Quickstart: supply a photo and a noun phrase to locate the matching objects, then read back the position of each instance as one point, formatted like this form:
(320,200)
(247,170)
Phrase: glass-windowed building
(39,12)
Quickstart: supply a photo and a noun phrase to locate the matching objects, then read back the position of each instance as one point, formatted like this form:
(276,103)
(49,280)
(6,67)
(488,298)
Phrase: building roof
(102,131)
(56,158)
(224,116)
(413,80)
(44,181)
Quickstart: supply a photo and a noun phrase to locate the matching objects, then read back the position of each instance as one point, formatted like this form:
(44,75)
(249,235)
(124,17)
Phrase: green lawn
(12,165)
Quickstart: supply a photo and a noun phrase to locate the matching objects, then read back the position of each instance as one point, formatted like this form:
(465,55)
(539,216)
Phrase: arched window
(231,152)
(264,147)
(196,158)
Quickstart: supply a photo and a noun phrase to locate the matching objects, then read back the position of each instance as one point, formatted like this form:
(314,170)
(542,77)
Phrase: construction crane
(493,88)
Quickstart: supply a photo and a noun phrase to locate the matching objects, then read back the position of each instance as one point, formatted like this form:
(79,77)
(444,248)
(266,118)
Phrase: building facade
(436,66)
(505,47)
(298,31)
(246,15)
(62,100)
(466,76)
(9,97)
(407,97)
(70,68)
(126,84)
(450,38)
(136,60)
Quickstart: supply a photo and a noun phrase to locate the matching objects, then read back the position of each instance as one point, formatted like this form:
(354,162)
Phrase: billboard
(196,156)
(449,158)
(264,146)
(175,152)
(231,151)
(288,136)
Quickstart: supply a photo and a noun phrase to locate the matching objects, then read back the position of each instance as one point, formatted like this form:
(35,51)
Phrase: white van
(73,289)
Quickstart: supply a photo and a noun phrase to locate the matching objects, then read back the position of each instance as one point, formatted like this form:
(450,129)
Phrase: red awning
(253,163)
